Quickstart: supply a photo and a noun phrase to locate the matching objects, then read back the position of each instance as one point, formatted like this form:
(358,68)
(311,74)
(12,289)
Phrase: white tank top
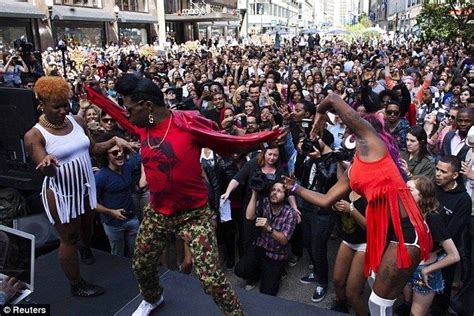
(74,179)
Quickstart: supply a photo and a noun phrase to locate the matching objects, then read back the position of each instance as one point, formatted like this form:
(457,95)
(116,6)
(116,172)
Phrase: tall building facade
(198,19)
(396,15)
(337,13)
(266,15)
(86,22)
(97,22)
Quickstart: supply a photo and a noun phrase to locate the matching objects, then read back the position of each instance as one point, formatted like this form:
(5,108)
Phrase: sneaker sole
(307,282)
(318,300)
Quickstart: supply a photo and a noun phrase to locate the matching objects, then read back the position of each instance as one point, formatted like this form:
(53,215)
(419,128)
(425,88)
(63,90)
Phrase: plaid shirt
(284,222)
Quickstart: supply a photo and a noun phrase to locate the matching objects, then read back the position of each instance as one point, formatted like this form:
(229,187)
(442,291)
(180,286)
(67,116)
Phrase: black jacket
(446,146)
(212,183)
(455,210)
(325,176)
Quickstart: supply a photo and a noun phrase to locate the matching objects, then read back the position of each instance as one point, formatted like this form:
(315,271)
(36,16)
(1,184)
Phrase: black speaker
(17,115)
(39,226)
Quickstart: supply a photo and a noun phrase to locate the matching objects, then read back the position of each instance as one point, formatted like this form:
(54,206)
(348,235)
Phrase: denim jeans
(317,229)
(140,200)
(121,236)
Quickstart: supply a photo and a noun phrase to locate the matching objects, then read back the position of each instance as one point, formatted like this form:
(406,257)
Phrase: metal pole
(247,12)
(64,64)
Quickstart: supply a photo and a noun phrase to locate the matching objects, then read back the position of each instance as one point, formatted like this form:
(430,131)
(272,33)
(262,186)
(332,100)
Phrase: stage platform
(183,293)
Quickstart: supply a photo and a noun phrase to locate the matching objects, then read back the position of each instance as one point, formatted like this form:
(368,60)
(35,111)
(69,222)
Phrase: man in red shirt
(171,145)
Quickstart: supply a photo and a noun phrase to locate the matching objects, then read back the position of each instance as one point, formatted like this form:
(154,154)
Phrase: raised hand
(122,143)
(288,182)
(318,125)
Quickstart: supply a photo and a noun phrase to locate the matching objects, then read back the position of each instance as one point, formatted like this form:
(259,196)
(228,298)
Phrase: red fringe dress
(381,183)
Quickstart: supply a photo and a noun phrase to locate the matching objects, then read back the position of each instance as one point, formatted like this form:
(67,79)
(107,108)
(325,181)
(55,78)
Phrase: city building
(396,15)
(193,20)
(98,22)
(261,16)
(337,13)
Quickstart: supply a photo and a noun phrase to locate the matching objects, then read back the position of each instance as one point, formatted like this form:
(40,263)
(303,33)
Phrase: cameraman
(276,221)
(317,169)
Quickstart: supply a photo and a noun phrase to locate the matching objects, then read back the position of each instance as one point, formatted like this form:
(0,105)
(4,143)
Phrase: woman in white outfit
(59,144)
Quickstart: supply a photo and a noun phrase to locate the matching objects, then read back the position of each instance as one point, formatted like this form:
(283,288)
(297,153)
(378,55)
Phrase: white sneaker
(145,308)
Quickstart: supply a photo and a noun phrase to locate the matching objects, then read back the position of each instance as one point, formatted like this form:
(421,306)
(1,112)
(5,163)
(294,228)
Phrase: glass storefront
(10,30)
(133,35)
(81,35)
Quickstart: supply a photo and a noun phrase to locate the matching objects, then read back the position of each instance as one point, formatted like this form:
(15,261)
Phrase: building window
(92,34)
(171,6)
(133,34)
(10,31)
(81,3)
(134,5)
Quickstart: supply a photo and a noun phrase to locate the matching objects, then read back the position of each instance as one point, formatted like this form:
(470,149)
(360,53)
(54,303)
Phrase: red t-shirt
(173,171)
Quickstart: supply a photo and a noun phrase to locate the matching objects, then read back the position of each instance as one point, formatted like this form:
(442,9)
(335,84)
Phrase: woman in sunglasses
(436,137)
(60,145)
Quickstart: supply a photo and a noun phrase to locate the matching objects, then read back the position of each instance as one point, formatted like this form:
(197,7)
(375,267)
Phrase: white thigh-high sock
(380,306)
(371,279)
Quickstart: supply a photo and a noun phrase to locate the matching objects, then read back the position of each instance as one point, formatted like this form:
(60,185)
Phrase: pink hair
(377,122)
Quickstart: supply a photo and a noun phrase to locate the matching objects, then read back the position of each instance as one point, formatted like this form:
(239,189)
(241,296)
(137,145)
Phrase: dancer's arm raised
(369,145)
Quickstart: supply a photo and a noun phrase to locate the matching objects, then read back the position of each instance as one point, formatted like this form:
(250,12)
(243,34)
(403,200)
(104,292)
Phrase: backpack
(12,205)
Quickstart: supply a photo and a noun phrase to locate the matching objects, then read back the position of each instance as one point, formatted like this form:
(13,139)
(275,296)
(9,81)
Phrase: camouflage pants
(195,228)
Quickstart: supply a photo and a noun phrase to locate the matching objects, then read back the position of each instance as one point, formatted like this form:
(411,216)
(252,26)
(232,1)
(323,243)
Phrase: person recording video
(276,221)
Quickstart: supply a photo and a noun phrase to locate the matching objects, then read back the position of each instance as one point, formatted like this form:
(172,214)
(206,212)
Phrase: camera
(127,214)
(339,155)
(261,181)
(309,146)
(23,46)
(244,95)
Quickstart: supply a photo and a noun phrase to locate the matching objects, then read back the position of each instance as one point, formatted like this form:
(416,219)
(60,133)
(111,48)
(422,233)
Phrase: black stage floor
(183,293)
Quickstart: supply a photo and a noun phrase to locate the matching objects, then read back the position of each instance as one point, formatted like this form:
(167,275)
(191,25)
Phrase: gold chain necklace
(164,136)
(43,121)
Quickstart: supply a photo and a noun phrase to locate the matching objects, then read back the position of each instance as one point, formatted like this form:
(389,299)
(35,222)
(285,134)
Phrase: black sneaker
(86,256)
(319,294)
(85,289)
(340,307)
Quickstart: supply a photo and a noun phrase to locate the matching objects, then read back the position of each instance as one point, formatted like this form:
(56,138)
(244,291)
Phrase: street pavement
(291,288)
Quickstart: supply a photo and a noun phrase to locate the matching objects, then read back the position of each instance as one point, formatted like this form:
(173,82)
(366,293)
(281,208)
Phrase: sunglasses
(107,120)
(392,112)
(115,152)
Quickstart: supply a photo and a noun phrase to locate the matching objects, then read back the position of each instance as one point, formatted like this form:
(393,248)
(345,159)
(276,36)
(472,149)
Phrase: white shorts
(356,247)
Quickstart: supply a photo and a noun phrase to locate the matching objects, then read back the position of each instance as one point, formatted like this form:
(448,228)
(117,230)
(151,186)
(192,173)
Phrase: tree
(446,20)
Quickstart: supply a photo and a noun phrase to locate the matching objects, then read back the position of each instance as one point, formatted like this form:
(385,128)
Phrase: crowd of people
(300,143)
